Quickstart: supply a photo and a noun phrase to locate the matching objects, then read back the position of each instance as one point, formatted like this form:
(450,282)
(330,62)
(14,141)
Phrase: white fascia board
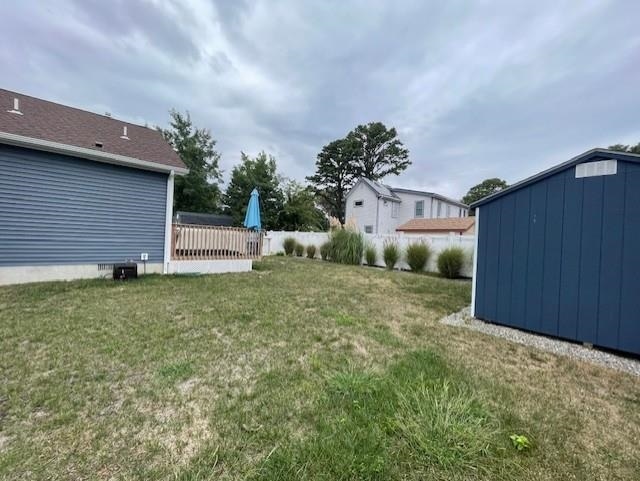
(58,148)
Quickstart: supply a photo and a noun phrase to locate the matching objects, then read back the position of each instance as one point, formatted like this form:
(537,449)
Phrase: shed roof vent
(98,144)
(16,107)
(596,169)
(124,133)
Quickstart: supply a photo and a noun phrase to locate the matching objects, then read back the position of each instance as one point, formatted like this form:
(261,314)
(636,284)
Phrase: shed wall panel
(629,333)
(552,256)
(590,239)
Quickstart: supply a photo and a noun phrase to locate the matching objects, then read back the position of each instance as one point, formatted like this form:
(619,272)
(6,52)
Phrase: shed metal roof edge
(593,153)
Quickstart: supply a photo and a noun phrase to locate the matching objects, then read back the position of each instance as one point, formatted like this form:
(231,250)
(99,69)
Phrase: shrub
(280,253)
(417,256)
(450,262)
(299,249)
(346,246)
(289,244)
(370,255)
(311,251)
(390,254)
(324,250)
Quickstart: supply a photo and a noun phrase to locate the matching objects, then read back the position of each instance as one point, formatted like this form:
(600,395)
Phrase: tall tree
(335,175)
(378,152)
(197,191)
(299,211)
(631,149)
(259,173)
(483,189)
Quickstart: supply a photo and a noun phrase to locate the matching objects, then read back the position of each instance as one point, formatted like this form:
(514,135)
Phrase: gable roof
(380,190)
(391,193)
(588,156)
(49,126)
(455,224)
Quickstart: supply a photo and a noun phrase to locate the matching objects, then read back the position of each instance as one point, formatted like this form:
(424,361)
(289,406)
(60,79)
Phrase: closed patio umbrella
(252,217)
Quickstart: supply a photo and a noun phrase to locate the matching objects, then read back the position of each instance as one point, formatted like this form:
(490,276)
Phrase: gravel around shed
(564,348)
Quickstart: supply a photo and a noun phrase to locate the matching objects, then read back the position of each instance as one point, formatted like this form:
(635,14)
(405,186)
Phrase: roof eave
(557,168)
(82,152)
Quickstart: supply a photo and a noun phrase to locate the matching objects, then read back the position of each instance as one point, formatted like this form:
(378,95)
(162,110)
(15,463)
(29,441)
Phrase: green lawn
(299,370)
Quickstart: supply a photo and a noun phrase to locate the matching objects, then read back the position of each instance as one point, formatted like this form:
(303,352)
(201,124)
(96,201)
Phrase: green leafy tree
(378,151)
(299,211)
(483,189)
(197,191)
(259,173)
(630,149)
(335,175)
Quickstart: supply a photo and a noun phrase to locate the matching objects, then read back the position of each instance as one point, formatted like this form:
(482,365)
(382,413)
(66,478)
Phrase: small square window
(368,229)
(358,203)
(419,208)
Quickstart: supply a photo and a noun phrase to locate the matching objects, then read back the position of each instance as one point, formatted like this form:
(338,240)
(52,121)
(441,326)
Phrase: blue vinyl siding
(57,210)
(561,256)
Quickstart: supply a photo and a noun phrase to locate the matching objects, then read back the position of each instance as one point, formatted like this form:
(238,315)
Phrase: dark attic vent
(98,144)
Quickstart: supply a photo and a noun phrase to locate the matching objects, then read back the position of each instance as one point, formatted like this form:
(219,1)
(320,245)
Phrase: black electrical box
(124,271)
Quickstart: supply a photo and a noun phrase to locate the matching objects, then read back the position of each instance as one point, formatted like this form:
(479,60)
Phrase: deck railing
(202,242)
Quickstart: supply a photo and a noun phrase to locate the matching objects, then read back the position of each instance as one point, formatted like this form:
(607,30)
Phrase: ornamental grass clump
(450,262)
(417,256)
(289,244)
(311,251)
(370,255)
(299,249)
(324,250)
(390,254)
(346,246)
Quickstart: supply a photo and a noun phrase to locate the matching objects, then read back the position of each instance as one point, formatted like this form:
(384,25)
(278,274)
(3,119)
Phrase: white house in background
(379,209)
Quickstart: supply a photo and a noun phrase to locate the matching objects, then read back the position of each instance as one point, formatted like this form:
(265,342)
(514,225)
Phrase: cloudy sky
(476,89)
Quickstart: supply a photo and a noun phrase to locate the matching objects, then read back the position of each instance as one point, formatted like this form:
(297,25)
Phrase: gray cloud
(475,89)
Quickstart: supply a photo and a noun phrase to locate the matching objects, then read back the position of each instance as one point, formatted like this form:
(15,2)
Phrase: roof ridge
(102,116)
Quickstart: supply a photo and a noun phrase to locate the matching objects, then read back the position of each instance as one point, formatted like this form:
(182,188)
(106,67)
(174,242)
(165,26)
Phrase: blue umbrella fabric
(252,217)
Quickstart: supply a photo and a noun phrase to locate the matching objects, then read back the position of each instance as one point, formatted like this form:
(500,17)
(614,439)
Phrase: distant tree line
(372,151)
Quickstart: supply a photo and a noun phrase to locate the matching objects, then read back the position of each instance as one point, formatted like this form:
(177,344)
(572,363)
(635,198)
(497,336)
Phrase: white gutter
(475,264)
(58,148)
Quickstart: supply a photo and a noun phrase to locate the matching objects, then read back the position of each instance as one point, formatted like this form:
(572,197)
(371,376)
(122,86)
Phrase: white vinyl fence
(274,239)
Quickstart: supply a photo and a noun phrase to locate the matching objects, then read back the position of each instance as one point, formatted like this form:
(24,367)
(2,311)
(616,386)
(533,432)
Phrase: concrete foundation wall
(25,274)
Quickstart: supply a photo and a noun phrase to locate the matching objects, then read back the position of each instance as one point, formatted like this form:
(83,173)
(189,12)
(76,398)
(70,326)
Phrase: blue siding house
(79,192)
(559,253)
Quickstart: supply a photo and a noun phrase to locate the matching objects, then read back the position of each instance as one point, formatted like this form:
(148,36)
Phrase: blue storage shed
(559,253)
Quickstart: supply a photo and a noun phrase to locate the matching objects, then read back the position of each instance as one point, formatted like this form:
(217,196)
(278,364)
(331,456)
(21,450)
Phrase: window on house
(439,209)
(368,229)
(394,209)
(448,211)
(358,203)
(419,208)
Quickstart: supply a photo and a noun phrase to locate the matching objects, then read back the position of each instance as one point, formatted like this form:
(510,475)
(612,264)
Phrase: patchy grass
(299,370)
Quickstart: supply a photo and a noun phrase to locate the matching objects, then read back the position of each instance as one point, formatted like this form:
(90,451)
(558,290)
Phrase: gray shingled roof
(49,121)
(381,189)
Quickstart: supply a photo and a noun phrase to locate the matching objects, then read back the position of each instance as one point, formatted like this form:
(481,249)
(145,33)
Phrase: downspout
(168,221)
(377,213)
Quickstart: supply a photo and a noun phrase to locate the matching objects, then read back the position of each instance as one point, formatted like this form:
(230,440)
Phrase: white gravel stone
(564,348)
